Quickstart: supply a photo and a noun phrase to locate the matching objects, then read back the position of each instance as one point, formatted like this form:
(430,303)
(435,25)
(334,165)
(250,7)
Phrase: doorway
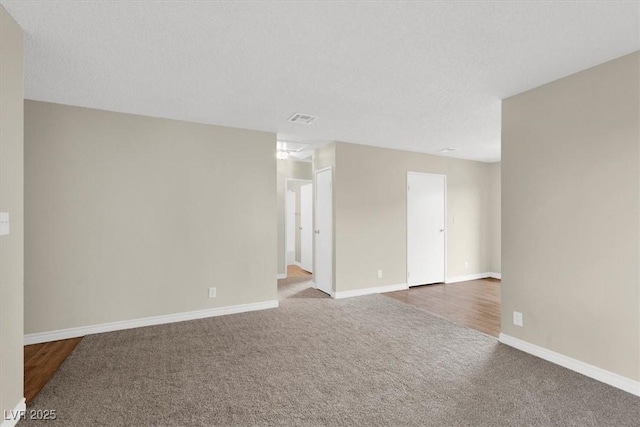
(299,224)
(426,228)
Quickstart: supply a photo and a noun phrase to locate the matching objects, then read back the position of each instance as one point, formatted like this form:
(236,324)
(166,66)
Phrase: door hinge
(408,188)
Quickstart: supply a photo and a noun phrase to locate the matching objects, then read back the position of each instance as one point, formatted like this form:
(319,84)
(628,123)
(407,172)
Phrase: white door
(290,222)
(426,228)
(306,227)
(323,245)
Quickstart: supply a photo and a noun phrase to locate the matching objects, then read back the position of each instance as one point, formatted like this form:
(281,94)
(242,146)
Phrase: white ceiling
(418,76)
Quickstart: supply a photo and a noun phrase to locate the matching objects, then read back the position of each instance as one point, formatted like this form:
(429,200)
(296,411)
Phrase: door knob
(442,230)
(316,231)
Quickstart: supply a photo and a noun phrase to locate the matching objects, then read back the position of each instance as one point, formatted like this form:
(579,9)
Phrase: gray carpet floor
(369,361)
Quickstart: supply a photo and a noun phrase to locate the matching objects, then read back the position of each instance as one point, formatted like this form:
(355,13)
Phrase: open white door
(306,227)
(426,228)
(323,244)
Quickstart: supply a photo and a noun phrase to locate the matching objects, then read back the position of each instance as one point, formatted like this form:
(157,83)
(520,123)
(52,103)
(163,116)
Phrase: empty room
(319,213)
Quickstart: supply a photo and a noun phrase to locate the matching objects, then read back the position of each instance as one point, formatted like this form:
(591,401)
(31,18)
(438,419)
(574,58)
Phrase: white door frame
(332,235)
(286,186)
(446,221)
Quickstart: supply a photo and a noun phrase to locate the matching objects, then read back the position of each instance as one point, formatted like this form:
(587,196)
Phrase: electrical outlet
(466,265)
(517,318)
(212,292)
(379,274)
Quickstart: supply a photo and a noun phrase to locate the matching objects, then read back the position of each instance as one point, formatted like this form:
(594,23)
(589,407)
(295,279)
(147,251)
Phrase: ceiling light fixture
(447,150)
(282,155)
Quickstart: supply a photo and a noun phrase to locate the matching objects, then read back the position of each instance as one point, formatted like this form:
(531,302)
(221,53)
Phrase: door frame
(315,215)
(446,222)
(286,186)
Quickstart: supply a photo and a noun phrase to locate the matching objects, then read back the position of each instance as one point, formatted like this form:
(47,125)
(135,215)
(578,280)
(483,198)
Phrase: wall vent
(305,119)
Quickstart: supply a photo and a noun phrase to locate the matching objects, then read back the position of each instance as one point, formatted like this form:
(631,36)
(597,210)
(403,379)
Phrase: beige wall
(495,171)
(287,169)
(570,209)
(371,220)
(130,216)
(324,156)
(11,201)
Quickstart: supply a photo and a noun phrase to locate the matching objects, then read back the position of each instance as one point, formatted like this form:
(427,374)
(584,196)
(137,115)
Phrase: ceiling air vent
(305,119)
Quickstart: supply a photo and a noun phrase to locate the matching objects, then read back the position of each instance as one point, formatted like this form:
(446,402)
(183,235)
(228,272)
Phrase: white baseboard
(368,291)
(475,276)
(281,276)
(602,375)
(11,417)
(81,331)
(466,278)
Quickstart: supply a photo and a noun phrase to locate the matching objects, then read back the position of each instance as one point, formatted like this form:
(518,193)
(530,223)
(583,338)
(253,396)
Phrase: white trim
(11,418)
(281,276)
(368,291)
(62,334)
(495,275)
(468,277)
(602,375)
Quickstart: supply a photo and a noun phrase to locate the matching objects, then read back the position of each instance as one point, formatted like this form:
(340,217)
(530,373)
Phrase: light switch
(4,223)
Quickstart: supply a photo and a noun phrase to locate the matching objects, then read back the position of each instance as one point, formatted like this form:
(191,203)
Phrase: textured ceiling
(418,76)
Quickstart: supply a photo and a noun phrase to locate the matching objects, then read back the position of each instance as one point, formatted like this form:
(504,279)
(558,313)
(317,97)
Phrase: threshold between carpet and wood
(41,361)
(369,360)
(474,303)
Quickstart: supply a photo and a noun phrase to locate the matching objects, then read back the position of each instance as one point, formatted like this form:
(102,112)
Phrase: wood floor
(295,271)
(41,361)
(475,303)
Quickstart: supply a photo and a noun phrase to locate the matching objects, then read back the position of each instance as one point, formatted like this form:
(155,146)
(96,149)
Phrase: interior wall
(495,171)
(129,216)
(287,169)
(371,214)
(11,201)
(570,209)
